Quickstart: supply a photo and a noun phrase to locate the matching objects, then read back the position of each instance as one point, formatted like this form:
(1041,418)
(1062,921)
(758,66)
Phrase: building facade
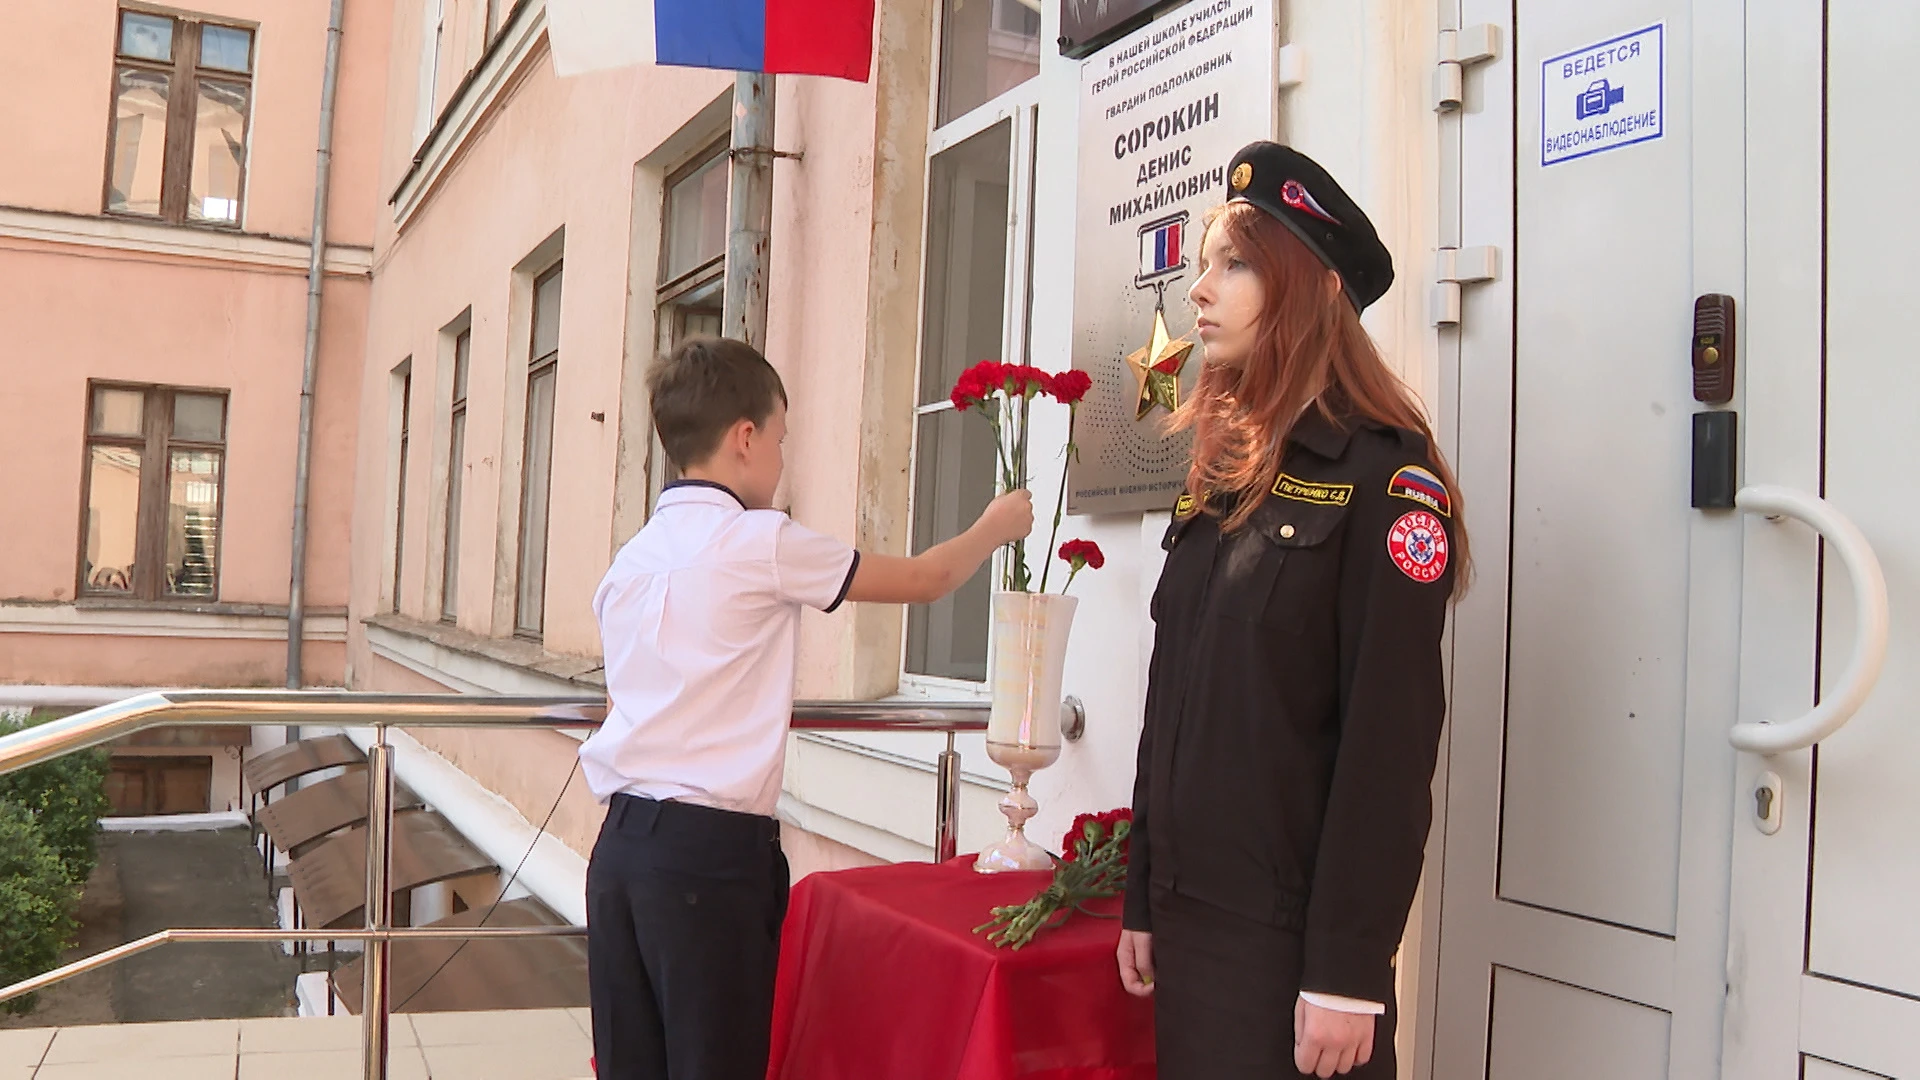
(155,233)
(1640,867)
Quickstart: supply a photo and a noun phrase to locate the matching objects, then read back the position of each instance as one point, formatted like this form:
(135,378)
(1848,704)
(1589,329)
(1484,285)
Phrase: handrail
(1845,539)
(352,708)
(191,935)
(382,712)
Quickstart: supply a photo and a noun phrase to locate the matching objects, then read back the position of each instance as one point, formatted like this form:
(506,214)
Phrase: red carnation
(978,383)
(1079,553)
(1069,387)
(1023,380)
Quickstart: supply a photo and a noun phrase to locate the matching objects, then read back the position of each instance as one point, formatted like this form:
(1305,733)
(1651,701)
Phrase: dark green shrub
(37,901)
(66,796)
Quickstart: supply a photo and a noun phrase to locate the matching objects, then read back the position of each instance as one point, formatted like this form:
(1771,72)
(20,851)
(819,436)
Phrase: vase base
(1013,853)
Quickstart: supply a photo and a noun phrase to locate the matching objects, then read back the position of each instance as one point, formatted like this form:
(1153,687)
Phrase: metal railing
(383,712)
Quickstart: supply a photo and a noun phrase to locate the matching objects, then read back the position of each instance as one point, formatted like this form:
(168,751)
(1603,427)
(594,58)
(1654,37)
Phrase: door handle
(1844,538)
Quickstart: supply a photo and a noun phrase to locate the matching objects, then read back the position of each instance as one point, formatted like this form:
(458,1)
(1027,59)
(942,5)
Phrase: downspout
(749,211)
(310,361)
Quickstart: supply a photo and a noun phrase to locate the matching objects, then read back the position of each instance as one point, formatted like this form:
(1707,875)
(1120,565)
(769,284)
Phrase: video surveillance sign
(1603,97)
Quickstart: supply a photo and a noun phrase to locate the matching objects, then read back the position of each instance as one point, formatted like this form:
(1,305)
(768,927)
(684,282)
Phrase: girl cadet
(1295,697)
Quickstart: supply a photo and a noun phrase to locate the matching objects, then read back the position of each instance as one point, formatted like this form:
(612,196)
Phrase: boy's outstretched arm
(936,572)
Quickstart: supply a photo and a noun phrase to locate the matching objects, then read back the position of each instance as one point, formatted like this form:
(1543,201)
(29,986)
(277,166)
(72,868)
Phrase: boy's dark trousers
(684,905)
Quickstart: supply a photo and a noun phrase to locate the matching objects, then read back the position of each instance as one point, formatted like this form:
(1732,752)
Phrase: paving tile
(145,1042)
(200,1067)
(23,1046)
(403,1063)
(506,1061)
(289,1034)
(539,1027)
(583,1017)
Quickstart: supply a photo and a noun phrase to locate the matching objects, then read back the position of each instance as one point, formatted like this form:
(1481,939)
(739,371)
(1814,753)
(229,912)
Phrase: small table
(881,977)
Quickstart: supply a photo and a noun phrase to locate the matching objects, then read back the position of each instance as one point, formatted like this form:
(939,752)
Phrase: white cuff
(1342,1004)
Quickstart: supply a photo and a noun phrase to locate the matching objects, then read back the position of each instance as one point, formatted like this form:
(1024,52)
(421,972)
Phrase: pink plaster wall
(85,316)
(119,660)
(60,57)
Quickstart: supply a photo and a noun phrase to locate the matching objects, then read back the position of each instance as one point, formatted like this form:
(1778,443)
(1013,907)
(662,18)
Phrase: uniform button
(1286,532)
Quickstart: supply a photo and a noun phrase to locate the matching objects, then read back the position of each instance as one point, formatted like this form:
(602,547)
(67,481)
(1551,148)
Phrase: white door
(1616,900)
(1824,946)
(1584,879)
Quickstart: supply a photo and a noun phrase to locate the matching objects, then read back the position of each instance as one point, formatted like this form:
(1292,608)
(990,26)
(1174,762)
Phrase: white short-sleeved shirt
(699,620)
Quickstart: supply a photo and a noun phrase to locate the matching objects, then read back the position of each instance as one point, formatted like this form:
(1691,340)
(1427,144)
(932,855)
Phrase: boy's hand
(1008,518)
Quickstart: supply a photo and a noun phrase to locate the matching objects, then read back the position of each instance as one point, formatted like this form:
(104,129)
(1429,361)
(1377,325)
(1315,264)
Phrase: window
(456,476)
(432,37)
(975,306)
(965,311)
(182,93)
(404,373)
(536,470)
(147,786)
(150,524)
(693,260)
(987,47)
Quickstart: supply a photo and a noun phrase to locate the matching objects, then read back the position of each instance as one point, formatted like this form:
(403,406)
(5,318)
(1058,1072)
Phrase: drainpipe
(743,305)
(310,362)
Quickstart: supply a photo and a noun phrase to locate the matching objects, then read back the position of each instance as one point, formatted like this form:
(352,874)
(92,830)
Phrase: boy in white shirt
(699,617)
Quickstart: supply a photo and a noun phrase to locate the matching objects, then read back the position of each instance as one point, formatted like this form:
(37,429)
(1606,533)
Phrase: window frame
(405,373)
(537,368)
(183,97)
(460,356)
(156,444)
(1018,106)
(669,313)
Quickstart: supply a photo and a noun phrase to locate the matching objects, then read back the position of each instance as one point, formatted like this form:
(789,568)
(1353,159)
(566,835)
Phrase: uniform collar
(706,491)
(1325,437)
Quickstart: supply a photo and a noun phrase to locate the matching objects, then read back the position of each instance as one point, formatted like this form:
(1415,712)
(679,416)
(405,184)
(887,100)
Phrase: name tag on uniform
(1308,491)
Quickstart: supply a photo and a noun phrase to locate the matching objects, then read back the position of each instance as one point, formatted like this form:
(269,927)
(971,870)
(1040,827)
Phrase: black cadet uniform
(1293,714)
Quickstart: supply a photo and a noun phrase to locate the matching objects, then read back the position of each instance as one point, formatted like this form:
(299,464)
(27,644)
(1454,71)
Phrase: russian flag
(786,37)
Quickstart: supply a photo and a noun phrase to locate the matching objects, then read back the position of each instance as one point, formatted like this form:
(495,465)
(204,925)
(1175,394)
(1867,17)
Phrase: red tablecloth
(882,978)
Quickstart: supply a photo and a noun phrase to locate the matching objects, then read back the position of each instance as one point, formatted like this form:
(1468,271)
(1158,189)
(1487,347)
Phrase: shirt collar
(706,491)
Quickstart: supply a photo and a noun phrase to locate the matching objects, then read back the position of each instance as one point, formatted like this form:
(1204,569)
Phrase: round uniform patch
(1417,544)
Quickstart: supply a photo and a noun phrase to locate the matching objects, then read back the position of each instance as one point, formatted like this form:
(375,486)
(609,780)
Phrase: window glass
(456,472)
(953,482)
(193,522)
(119,412)
(146,37)
(199,417)
(139,140)
(546,315)
(697,218)
(113,518)
(533,501)
(226,48)
(219,152)
(987,47)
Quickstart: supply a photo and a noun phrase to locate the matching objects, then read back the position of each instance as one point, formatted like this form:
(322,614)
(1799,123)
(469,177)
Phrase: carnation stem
(1060,504)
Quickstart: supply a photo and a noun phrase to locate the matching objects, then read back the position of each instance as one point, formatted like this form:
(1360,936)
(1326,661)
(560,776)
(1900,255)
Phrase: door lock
(1767,797)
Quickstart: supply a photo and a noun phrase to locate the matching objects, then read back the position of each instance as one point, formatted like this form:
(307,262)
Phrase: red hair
(1309,351)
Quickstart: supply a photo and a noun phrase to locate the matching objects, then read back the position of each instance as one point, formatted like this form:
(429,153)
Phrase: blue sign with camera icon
(1603,97)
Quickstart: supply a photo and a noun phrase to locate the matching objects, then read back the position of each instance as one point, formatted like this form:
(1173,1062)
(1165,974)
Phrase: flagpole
(749,211)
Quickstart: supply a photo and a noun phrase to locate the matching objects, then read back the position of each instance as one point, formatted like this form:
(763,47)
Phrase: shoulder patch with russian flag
(1423,487)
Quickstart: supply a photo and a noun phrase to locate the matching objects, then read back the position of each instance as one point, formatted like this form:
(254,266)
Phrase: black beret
(1294,188)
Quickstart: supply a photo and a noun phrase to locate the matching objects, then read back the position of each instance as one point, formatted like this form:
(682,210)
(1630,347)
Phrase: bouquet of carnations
(1094,868)
(1004,393)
